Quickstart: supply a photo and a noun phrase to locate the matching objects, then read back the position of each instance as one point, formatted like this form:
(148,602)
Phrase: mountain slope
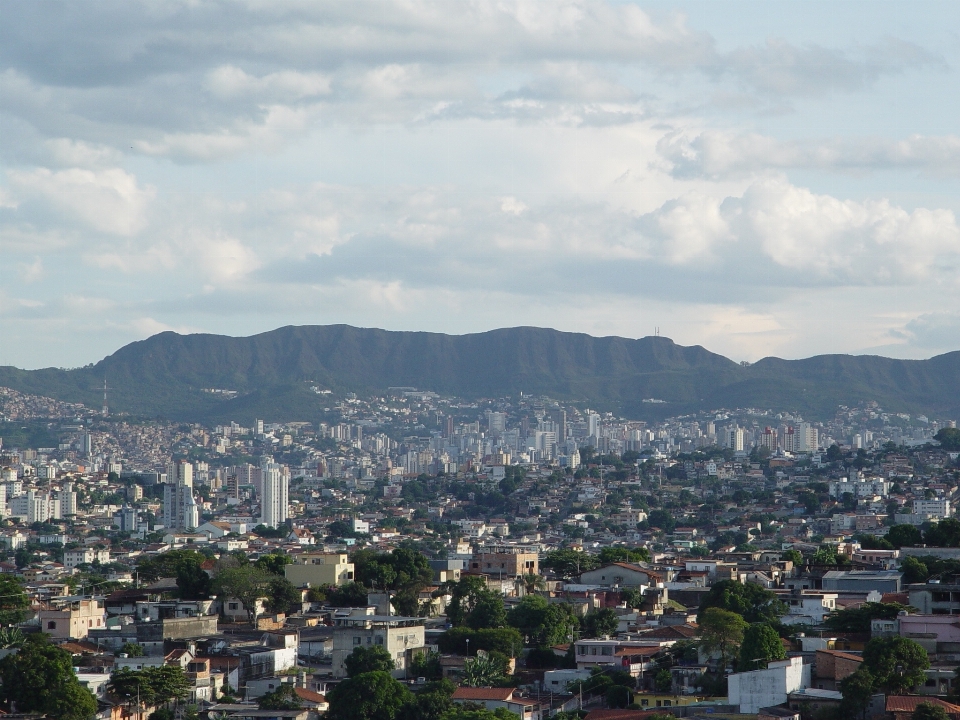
(170,375)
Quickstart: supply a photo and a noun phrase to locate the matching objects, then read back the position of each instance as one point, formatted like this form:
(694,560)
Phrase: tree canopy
(472,604)
(858,619)
(374,658)
(761,644)
(40,678)
(568,564)
(721,632)
(749,600)
(368,696)
(13,600)
(897,664)
(541,622)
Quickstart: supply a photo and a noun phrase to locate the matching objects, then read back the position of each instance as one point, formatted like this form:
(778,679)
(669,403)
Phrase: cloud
(720,155)
(932,331)
(108,200)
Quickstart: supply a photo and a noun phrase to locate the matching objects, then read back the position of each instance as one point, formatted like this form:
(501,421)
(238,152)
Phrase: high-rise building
(273,504)
(68,500)
(769,439)
(86,444)
(593,425)
(734,438)
(180,509)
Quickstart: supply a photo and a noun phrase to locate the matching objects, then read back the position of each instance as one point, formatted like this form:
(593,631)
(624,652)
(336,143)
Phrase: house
(901,707)
(620,574)
(317,569)
(399,636)
(832,666)
(493,698)
(72,617)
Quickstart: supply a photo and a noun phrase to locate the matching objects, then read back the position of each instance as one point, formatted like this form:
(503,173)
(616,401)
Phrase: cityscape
(425,556)
(479,360)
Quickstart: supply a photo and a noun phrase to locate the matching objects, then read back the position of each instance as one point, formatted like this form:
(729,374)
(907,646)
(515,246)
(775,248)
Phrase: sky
(759,178)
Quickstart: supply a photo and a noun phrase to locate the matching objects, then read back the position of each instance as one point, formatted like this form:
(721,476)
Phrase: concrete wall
(763,688)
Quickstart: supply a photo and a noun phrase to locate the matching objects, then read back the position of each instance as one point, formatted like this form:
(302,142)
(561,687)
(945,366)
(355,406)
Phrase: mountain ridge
(170,374)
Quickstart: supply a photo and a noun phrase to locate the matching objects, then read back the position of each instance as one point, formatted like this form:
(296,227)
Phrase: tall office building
(273,504)
(180,510)
(593,425)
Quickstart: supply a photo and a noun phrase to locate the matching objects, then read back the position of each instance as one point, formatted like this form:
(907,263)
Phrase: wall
(763,688)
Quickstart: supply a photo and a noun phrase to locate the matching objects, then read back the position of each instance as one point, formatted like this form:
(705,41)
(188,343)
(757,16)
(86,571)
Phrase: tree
(761,643)
(601,622)
(273,563)
(166,564)
(39,677)
(368,696)
(283,698)
(427,665)
(825,555)
(619,696)
(282,595)
(13,600)
(914,570)
(532,583)
(541,622)
(471,594)
(568,564)
(368,659)
(192,580)
(633,597)
(949,438)
(245,583)
(351,594)
(663,681)
(945,533)
(897,664)
(904,536)
(858,619)
(929,711)
(721,632)
(485,670)
(749,600)
(133,650)
(857,689)
(793,556)
(505,640)
(622,554)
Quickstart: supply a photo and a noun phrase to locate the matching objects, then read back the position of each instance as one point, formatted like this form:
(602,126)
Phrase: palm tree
(482,671)
(533,582)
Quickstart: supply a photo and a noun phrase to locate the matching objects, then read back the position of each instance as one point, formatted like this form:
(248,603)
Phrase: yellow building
(318,569)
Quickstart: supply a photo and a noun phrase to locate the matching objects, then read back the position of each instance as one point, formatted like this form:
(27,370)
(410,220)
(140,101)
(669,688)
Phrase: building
(316,569)
(84,556)
(939,508)
(180,509)
(494,698)
(622,574)
(506,562)
(273,505)
(72,618)
(767,687)
(399,636)
(832,666)
(865,581)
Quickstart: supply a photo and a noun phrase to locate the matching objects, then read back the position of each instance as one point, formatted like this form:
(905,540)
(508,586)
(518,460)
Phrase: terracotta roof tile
(469,693)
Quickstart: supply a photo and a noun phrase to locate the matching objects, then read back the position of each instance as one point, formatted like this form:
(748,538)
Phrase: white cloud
(108,200)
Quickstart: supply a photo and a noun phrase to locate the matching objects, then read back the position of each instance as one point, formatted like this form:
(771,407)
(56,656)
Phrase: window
(234,606)
(52,625)
(357,641)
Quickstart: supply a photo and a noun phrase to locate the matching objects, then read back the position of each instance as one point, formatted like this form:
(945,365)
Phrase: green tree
(749,600)
(897,664)
(40,678)
(904,536)
(368,659)
(541,622)
(369,696)
(601,622)
(929,711)
(793,556)
(283,698)
(619,696)
(427,665)
(472,604)
(485,670)
(761,643)
(945,533)
(505,640)
(273,563)
(568,564)
(13,600)
(633,597)
(246,583)
(166,564)
(949,438)
(721,632)
(825,555)
(663,681)
(622,554)
(192,581)
(351,594)
(914,570)
(857,689)
(858,619)
(282,595)
(133,650)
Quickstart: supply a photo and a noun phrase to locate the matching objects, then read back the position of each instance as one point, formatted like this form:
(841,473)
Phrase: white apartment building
(180,509)
(72,558)
(939,508)
(273,505)
(399,636)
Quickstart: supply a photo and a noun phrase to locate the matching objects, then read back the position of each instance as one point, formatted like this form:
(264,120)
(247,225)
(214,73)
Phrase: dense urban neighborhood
(415,556)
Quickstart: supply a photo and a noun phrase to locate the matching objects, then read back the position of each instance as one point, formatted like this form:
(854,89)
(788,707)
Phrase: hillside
(170,375)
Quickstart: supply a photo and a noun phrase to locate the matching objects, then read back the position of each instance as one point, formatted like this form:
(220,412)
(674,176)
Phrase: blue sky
(761,178)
